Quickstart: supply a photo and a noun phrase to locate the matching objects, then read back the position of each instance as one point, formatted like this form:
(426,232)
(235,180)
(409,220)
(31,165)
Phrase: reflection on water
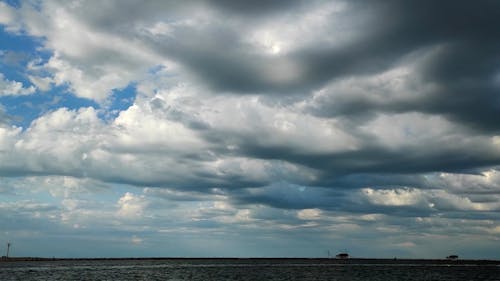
(222,270)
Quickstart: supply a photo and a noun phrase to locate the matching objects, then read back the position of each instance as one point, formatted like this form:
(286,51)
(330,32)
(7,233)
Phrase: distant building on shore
(342,256)
(452,257)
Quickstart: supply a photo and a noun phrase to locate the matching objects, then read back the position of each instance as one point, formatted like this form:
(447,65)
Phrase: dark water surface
(223,270)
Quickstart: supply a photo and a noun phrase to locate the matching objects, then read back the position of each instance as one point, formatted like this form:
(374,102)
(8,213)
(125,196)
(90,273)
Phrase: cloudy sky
(250,128)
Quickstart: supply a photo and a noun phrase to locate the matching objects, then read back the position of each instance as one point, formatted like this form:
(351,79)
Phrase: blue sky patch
(14,3)
(120,100)
(24,109)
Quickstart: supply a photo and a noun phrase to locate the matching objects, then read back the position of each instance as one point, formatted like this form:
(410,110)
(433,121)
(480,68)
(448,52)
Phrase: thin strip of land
(353,261)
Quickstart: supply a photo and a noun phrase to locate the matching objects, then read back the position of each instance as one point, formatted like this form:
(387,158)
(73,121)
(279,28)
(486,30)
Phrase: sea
(245,269)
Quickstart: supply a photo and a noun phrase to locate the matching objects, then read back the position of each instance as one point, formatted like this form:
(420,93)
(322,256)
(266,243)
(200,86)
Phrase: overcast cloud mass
(250,128)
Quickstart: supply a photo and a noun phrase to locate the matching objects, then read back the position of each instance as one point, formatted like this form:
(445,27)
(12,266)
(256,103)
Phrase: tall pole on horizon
(8,249)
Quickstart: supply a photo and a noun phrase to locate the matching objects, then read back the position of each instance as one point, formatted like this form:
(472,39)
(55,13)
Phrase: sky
(250,128)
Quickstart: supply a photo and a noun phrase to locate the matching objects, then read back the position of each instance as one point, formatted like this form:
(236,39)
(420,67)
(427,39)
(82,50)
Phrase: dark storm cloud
(399,27)
(464,68)
(292,197)
(378,164)
(473,102)
(254,8)
(189,181)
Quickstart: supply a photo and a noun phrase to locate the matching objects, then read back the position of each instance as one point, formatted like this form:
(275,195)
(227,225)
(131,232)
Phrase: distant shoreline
(353,261)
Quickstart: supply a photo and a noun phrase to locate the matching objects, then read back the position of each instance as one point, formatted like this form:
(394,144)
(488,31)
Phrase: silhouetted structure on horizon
(342,256)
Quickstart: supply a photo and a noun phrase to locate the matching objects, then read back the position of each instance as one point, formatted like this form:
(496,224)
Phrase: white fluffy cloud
(14,88)
(131,206)
(8,17)
(428,199)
